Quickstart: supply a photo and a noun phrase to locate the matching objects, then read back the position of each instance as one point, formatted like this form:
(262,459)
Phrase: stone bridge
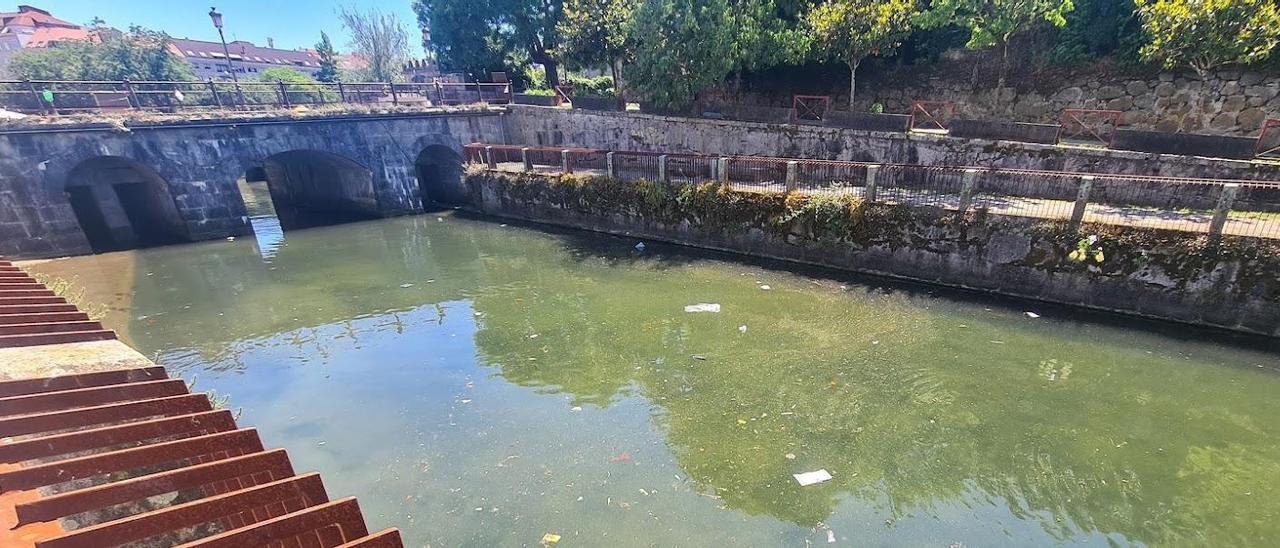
(70,190)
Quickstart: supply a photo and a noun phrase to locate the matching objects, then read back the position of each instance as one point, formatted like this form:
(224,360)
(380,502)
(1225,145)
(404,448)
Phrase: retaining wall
(1168,276)
(534,126)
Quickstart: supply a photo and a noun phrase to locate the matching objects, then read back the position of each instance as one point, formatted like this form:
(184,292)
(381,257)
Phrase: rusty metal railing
(58,97)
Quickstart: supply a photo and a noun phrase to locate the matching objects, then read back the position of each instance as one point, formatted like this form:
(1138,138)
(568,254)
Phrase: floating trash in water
(405,286)
(1032,315)
(440,219)
(703,307)
(765,287)
(640,246)
(742,329)
(699,357)
(575,408)
(831,537)
(790,456)
(231,238)
(811,478)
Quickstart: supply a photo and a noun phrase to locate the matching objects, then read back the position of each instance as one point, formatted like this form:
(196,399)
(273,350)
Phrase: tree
(1205,34)
(598,32)
(328,60)
(994,22)
(140,54)
(852,30)
(301,88)
(485,34)
(683,46)
(379,38)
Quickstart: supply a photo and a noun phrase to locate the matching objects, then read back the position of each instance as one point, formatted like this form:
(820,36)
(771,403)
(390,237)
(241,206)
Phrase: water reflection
(480,384)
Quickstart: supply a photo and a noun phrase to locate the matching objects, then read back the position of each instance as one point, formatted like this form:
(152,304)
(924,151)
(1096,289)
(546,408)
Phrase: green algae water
(483,384)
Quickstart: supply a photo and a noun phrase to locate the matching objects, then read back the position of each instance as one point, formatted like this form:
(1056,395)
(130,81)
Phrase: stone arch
(439,172)
(121,203)
(312,187)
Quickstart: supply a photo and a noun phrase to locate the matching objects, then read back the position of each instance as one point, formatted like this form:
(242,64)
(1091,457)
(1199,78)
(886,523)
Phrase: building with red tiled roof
(247,59)
(32,27)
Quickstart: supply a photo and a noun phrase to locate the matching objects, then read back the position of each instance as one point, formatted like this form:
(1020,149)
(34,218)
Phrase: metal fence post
(869,190)
(36,95)
(213,89)
(566,163)
(966,189)
(395,100)
(662,169)
(524,157)
(722,170)
(488,158)
(342,93)
(133,97)
(284,95)
(1220,212)
(793,175)
(1082,201)
(610,168)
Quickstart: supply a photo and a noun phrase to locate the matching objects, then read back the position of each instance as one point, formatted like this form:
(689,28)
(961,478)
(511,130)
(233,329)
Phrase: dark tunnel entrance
(439,171)
(123,204)
(313,188)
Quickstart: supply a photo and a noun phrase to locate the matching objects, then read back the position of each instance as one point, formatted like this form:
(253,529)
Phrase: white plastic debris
(703,307)
(177,95)
(765,287)
(742,329)
(11,115)
(640,246)
(1031,315)
(812,478)
(231,238)
(831,537)
(406,286)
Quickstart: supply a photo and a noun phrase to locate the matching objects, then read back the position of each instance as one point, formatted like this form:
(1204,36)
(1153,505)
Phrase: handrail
(58,97)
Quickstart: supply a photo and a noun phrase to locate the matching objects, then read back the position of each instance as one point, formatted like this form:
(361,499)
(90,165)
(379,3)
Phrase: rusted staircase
(31,314)
(132,457)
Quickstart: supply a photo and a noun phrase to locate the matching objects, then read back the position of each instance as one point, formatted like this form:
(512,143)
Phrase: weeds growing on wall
(1103,250)
(68,290)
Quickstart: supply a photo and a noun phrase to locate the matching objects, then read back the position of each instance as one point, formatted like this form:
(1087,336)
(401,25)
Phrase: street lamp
(217,23)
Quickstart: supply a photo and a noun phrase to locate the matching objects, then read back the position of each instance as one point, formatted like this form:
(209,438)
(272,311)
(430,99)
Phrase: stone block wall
(1227,102)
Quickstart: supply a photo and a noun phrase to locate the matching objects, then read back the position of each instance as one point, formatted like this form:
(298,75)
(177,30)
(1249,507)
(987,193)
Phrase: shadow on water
(620,251)
(552,379)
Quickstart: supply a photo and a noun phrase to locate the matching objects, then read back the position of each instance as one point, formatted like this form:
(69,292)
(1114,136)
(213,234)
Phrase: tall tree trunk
(616,67)
(1004,67)
(551,69)
(853,79)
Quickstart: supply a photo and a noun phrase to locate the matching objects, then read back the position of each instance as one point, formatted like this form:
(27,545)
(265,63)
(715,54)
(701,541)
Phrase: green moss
(1183,257)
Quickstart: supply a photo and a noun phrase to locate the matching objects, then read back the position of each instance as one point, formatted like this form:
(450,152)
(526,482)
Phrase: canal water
(483,384)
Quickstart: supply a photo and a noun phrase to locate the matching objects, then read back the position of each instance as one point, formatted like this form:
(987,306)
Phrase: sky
(291,23)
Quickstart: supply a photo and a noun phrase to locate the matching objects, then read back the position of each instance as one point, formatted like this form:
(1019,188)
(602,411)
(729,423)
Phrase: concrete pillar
(1220,212)
(869,190)
(488,158)
(1082,201)
(566,163)
(966,189)
(722,171)
(662,169)
(524,157)
(113,215)
(793,175)
(610,169)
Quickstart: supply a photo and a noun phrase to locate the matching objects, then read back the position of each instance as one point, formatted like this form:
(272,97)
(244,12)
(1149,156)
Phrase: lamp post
(217,23)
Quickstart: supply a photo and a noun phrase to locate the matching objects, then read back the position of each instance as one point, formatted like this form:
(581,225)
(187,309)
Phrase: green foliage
(683,47)
(300,87)
(1087,250)
(599,86)
(379,38)
(852,30)
(1205,34)
(329,71)
(993,22)
(140,55)
(1097,29)
(597,32)
(488,35)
